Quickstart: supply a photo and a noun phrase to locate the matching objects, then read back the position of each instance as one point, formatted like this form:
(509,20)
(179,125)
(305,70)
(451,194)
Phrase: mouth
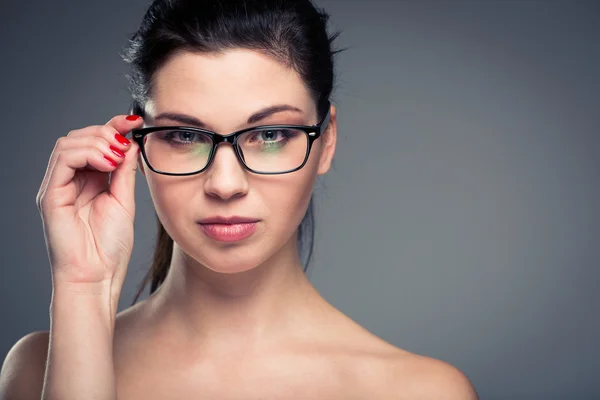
(229,229)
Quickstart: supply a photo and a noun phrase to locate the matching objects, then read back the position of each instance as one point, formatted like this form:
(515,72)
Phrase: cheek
(304,182)
(170,198)
(287,199)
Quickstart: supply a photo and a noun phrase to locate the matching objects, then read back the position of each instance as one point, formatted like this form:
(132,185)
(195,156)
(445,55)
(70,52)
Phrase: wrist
(89,289)
(75,300)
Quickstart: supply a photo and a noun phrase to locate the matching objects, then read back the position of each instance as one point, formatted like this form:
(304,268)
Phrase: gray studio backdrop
(462,218)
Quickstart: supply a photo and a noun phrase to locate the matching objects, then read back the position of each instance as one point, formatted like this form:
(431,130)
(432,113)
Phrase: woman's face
(223,91)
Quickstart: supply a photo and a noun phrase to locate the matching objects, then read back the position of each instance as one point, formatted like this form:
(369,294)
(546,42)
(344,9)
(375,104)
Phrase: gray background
(462,218)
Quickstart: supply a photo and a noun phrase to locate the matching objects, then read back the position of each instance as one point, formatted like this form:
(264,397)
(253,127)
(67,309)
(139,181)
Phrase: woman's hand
(86,201)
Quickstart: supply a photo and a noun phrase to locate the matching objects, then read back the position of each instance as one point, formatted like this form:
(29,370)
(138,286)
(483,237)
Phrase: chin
(228,258)
(229,269)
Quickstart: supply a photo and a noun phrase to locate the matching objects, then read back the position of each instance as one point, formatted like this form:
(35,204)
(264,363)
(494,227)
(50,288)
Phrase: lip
(228,220)
(229,232)
(228,229)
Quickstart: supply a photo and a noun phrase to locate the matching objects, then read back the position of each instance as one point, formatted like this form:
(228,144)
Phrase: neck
(218,310)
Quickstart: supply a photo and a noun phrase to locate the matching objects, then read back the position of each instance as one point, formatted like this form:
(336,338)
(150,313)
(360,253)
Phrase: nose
(226,177)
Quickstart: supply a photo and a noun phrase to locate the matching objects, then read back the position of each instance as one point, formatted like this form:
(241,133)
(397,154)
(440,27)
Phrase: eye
(187,136)
(183,137)
(268,136)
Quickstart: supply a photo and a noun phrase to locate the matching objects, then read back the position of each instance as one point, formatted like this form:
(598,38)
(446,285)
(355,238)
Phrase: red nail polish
(111,162)
(122,139)
(132,117)
(116,151)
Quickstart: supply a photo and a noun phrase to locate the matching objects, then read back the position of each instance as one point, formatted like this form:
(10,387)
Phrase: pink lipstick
(228,229)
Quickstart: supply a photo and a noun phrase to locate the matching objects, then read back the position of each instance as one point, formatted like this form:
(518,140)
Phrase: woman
(231,312)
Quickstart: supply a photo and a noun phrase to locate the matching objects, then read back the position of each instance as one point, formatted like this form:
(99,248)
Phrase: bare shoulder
(385,371)
(377,369)
(23,370)
(417,376)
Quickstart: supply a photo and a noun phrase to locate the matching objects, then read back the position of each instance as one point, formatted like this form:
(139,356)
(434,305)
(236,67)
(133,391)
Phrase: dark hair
(292,31)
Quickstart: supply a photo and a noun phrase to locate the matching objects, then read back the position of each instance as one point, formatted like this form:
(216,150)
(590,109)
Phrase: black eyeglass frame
(312,132)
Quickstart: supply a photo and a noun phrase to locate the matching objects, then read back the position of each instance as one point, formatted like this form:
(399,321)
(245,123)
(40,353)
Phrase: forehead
(232,84)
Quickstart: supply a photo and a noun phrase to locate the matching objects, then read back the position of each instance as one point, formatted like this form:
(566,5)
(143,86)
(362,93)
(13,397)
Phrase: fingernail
(111,162)
(132,117)
(122,139)
(116,151)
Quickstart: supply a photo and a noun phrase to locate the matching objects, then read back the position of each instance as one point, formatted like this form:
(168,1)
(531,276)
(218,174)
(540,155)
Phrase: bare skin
(343,361)
(325,356)
(231,321)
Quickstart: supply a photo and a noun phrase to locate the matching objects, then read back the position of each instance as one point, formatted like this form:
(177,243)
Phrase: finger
(111,148)
(122,124)
(66,144)
(122,180)
(116,142)
(125,123)
(68,162)
(113,132)
(109,133)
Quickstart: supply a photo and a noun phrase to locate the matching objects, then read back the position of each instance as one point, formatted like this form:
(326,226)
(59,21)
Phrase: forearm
(80,354)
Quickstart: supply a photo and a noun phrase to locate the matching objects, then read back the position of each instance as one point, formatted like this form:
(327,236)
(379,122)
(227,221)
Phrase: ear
(329,138)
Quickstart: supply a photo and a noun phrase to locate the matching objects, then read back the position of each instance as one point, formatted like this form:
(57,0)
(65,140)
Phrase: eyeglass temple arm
(325,122)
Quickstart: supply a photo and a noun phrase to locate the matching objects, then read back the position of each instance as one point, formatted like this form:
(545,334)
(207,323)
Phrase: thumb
(122,180)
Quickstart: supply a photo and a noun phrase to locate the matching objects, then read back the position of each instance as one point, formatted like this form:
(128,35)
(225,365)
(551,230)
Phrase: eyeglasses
(266,149)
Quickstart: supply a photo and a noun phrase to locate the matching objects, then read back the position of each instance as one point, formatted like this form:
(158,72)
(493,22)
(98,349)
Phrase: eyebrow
(254,118)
